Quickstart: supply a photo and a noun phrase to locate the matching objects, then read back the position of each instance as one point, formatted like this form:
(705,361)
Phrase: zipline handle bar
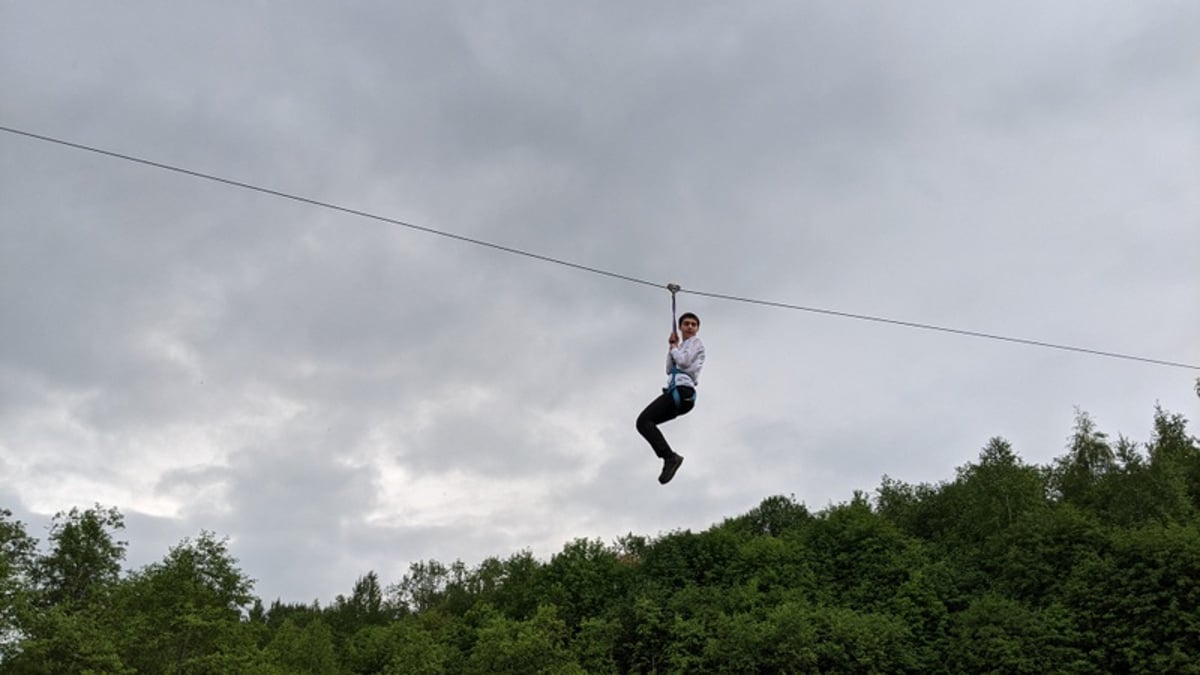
(674,288)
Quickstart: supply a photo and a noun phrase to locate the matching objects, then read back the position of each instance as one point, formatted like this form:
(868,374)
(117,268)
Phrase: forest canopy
(1088,564)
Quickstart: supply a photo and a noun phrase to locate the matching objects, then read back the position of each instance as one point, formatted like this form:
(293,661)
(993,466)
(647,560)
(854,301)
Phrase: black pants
(662,409)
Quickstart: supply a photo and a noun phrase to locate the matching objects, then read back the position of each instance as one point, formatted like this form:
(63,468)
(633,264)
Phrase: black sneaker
(670,466)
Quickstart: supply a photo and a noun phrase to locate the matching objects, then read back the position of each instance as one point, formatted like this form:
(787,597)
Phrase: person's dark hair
(689,315)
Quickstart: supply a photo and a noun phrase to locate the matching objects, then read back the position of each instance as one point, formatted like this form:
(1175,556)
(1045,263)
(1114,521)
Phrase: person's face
(689,327)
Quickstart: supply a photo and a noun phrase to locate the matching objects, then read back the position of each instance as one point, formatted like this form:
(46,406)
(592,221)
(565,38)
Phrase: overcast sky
(337,394)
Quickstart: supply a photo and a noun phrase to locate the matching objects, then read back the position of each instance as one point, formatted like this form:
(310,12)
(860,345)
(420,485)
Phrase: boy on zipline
(684,361)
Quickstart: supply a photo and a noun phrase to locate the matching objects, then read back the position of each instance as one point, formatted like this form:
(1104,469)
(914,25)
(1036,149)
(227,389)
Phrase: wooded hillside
(1090,564)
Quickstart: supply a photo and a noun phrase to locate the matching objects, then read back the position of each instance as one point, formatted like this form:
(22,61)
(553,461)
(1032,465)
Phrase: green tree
(279,612)
(920,604)
(365,607)
(1041,552)
(822,639)
(402,646)
(509,585)
(774,567)
(1125,496)
(595,645)
(924,511)
(63,623)
(1089,459)
(416,651)
(999,635)
(85,561)
(996,492)
(184,614)
(366,603)
(17,555)
(735,643)
(859,558)
(985,498)
(645,633)
(774,516)
(1163,487)
(538,645)
(431,584)
(303,651)
(1137,600)
(61,640)
(1175,466)
(582,580)
(682,558)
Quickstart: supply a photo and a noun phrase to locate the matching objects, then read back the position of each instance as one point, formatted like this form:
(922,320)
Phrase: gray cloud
(337,394)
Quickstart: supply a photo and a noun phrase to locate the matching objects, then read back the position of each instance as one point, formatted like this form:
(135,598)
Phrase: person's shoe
(670,466)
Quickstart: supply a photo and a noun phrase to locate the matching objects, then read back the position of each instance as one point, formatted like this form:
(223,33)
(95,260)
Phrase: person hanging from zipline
(685,358)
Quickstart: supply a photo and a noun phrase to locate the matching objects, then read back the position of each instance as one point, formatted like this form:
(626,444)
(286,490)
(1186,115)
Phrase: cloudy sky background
(337,394)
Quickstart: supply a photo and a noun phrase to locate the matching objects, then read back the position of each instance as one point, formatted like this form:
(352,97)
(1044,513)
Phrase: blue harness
(674,390)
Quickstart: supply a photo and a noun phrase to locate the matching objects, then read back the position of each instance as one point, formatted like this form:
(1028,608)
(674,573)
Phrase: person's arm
(672,343)
(688,356)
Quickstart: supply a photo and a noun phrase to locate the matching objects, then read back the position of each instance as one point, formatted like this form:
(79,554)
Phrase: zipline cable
(674,288)
(325,205)
(943,329)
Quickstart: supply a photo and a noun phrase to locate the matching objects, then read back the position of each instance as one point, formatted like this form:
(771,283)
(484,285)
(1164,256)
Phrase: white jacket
(689,358)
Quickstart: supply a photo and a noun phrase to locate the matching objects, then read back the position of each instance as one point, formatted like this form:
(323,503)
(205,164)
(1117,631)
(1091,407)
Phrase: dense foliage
(1088,565)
